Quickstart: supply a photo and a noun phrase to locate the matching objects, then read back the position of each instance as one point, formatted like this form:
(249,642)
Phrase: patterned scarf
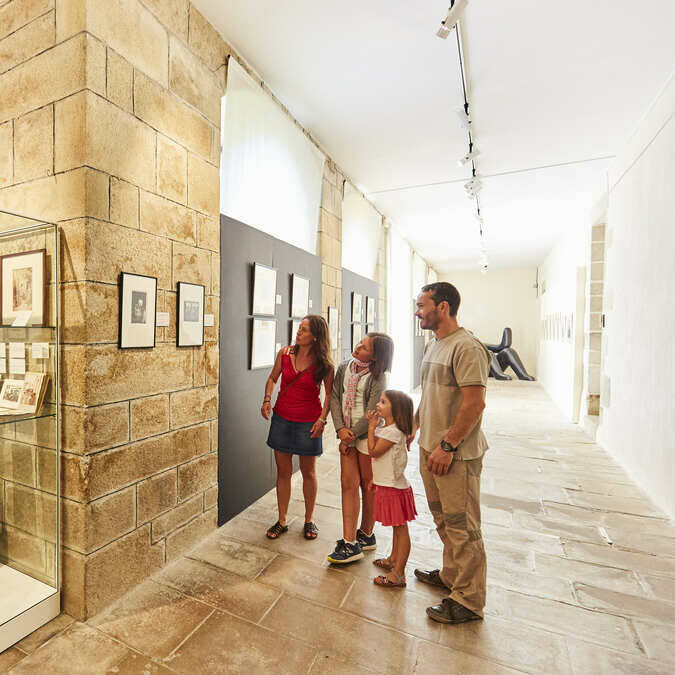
(357,369)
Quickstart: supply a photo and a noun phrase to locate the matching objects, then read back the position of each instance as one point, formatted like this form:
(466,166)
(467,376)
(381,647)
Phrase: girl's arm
(266,408)
(378,386)
(320,424)
(376,446)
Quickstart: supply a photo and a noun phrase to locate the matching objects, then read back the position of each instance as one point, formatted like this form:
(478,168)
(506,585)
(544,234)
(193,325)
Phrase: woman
(357,388)
(299,418)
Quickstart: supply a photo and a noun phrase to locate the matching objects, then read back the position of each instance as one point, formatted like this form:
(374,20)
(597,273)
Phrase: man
(454,376)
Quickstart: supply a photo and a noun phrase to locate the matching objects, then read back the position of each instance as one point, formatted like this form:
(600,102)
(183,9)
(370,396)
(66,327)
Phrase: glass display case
(29,427)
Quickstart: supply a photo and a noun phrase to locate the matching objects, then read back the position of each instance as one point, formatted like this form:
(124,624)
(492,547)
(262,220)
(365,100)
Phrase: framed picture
(294,326)
(333,326)
(190,315)
(138,310)
(299,297)
(357,307)
(264,290)
(357,334)
(263,339)
(370,310)
(23,279)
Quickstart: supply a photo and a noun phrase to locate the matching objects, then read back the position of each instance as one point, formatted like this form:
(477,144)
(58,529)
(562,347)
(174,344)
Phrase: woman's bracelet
(322,420)
(267,399)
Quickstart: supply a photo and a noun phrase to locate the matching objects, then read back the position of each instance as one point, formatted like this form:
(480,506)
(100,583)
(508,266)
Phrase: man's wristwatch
(447,447)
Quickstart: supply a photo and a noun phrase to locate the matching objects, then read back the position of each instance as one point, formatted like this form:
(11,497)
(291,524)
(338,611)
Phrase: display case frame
(30,447)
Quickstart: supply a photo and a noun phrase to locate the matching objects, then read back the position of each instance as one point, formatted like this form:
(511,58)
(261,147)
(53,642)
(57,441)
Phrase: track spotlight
(454,13)
(473,186)
(469,157)
(483,263)
(464,119)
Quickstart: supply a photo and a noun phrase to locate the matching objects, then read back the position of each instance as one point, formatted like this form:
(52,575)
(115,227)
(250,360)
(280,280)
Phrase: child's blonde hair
(401,410)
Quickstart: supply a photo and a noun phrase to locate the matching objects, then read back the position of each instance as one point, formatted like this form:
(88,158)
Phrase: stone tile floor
(581,571)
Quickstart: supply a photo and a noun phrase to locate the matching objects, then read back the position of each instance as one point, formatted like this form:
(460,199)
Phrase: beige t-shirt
(458,360)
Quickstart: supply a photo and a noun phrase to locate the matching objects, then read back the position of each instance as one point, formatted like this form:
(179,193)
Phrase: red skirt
(394,506)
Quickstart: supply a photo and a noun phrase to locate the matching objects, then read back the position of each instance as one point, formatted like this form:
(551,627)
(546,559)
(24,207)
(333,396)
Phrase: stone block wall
(109,125)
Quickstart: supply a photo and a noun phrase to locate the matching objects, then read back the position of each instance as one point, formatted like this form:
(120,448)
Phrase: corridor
(581,571)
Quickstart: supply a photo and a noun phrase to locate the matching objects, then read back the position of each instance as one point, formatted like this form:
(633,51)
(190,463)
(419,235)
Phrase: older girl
(299,417)
(357,387)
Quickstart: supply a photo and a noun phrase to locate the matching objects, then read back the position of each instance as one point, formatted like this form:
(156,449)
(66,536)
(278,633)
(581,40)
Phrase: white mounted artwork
(263,341)
(299,297)
(264,290)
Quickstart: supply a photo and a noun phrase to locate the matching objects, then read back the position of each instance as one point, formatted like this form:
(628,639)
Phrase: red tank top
(300,402)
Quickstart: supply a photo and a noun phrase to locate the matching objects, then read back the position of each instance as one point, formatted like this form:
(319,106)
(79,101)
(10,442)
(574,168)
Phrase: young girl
(358,385)
(299,417)
(394,501)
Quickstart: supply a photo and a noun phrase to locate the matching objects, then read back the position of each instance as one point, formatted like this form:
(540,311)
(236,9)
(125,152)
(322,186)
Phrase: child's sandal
(388,583)
(384,564)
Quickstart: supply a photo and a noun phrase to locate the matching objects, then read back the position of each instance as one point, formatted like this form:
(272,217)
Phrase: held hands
(266,409)
(346,435)
(439,461)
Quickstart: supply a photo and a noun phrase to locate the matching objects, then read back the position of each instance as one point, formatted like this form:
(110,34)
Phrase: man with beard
(454,376)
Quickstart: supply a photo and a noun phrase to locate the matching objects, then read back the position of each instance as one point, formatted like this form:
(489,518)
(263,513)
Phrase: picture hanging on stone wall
(263,343)
(190,315)
(370,310)
(295,327)
(357,334)
(299,297)
(357,307)
(138,310)
(23,278)
(333,326)
(264,290)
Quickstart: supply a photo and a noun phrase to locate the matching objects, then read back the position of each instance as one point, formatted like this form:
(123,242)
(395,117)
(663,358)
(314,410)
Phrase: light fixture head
(473,186)
(469,157)
(464,119)
(483,263)
(453,16)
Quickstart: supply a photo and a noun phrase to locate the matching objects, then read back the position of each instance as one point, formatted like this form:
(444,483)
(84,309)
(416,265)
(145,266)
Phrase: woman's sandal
(384,564)
(276,530)
(311,531)
(388,583)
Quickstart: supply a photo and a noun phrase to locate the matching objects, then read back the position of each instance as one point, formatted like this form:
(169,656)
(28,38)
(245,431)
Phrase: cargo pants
(454,501)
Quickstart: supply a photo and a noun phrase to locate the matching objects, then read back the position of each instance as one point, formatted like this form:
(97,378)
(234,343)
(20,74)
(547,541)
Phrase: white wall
(559,362)
(362,233)
(399,296)
(500,298)
(638,394)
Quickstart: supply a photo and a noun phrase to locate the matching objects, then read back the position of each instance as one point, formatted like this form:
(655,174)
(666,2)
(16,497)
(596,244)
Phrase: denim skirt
(293,437)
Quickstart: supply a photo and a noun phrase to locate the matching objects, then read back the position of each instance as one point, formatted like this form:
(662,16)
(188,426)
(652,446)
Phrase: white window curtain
(271,173)
(401,311)
(362,233)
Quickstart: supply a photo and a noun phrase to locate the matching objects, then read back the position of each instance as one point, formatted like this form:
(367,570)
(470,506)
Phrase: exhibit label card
(17,366)
(22,318)
(162,319)
(209,320)
(3,350)
(40,350)
(17,350)
(3,366)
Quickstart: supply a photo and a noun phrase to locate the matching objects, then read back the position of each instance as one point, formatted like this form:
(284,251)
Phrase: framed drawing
(23,279)
(190,315)
(357,334)
(370,310)
(138,310)
(263,339)
(295,326)
(357,307)
(299,297)
(333,326)
(264,290)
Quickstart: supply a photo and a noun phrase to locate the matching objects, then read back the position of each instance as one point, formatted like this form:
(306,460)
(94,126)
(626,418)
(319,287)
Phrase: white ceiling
(551,83)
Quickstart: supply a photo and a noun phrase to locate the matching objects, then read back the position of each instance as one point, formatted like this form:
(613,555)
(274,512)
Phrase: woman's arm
(360,428)
(320,424)
(266,408)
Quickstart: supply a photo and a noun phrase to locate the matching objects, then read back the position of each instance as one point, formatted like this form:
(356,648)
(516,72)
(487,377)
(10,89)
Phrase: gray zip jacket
(371,396)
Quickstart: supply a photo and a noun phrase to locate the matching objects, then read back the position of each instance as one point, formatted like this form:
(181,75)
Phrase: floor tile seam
(624,549)
(630,617)
(347,594)
(59,632)
(661,601)
(666,575)
(190,556)
(269,609)
(266,566)
(167,659)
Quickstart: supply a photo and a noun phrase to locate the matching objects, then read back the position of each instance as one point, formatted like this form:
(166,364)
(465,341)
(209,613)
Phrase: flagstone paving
(581,579)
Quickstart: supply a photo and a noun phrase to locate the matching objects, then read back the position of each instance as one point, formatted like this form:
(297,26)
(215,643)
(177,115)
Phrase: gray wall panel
(366,287)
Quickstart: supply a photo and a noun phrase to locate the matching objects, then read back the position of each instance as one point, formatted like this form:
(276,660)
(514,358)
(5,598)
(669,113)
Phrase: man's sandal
(384,564)
(276,530)
(311,531)
(388,583)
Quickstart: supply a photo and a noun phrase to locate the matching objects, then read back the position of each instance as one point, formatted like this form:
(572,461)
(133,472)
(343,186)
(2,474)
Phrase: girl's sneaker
(366,542)
(345,553)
